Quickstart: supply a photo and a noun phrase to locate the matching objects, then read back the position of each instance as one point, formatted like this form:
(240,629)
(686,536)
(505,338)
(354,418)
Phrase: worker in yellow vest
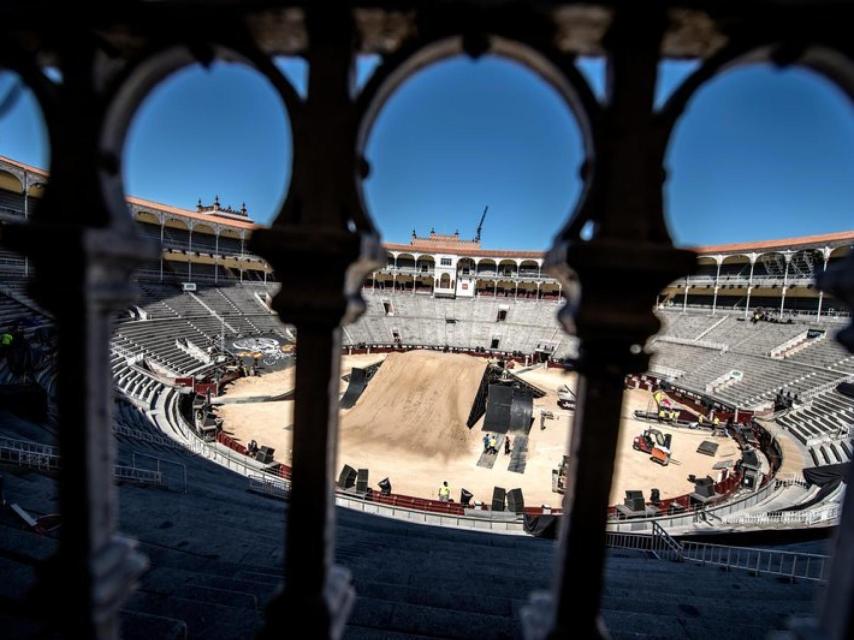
(445,492)
(493,444)
(657,396)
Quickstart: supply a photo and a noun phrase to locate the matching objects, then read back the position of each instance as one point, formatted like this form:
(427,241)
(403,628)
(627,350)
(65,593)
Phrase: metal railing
(276,487)
(138,476)
(43,457)
(22,453)
(803,566)
(795,566)
(828,513)
(157,470)
(660,543)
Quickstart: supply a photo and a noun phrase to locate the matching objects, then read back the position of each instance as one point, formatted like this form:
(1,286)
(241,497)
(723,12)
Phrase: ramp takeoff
(358,381)
(519,455)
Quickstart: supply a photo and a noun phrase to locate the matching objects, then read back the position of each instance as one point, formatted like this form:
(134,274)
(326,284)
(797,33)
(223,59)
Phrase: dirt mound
(417,402)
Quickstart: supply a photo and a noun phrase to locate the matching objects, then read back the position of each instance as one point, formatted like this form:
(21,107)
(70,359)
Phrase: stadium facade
(209,245)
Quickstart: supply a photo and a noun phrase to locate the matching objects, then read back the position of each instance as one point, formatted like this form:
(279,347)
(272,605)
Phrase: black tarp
(542,526)
(828,477)
(828,473)
(358,382)
(846,389)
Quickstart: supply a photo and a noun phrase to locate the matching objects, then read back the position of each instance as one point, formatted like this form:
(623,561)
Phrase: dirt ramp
(417,402)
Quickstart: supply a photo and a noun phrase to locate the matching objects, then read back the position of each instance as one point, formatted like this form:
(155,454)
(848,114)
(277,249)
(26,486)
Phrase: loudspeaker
(362,481)
(515,502)
(265,455)
(347,477)
(655,497)
(498,495)
(465,497)
(704,487)
(385,486)
(634,500)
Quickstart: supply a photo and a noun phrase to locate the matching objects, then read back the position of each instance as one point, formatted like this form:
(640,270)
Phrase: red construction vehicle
(655,443)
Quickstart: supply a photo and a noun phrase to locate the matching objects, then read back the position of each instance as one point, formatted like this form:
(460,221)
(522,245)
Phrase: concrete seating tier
(12,311)
(412,581)
(827,421)
(685,325)
(825,352)
(418,319)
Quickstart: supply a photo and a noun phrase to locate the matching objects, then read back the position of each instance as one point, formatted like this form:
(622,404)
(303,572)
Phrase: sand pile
(418,402)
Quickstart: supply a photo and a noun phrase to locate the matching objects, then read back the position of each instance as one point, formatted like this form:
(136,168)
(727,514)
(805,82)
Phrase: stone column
(788,258)
(752,257)
(95,568)
(719,260)
(628,260)
(825,252)
(313,228)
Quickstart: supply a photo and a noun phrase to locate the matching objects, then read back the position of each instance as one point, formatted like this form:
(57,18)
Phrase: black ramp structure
(498,403)
(358,382)
(521,411)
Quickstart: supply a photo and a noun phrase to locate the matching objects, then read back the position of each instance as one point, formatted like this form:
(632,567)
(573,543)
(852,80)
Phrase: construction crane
(480,226)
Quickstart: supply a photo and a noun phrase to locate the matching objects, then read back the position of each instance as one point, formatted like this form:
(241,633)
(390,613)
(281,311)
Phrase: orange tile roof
(782,243)
(453,248)
(26,167)
(211,218)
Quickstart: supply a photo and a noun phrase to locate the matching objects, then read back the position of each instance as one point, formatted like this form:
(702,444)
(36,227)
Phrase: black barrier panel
(498,404)
(358,382)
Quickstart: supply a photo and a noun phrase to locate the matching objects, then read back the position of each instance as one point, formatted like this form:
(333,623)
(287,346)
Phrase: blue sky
(761,153)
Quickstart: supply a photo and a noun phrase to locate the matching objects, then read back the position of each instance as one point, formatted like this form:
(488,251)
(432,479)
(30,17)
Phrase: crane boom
(480,225)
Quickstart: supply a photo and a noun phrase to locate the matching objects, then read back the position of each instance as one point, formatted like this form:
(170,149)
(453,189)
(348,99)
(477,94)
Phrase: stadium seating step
(203,619)
(431,621)
(144,626)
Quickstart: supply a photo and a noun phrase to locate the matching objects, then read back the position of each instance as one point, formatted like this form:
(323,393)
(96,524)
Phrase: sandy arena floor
(409,426)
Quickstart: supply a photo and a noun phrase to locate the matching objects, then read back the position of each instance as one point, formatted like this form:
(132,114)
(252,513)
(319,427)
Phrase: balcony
(798,280)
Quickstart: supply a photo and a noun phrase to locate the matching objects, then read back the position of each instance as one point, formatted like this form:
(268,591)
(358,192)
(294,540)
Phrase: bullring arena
(410,426)
(732,450)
